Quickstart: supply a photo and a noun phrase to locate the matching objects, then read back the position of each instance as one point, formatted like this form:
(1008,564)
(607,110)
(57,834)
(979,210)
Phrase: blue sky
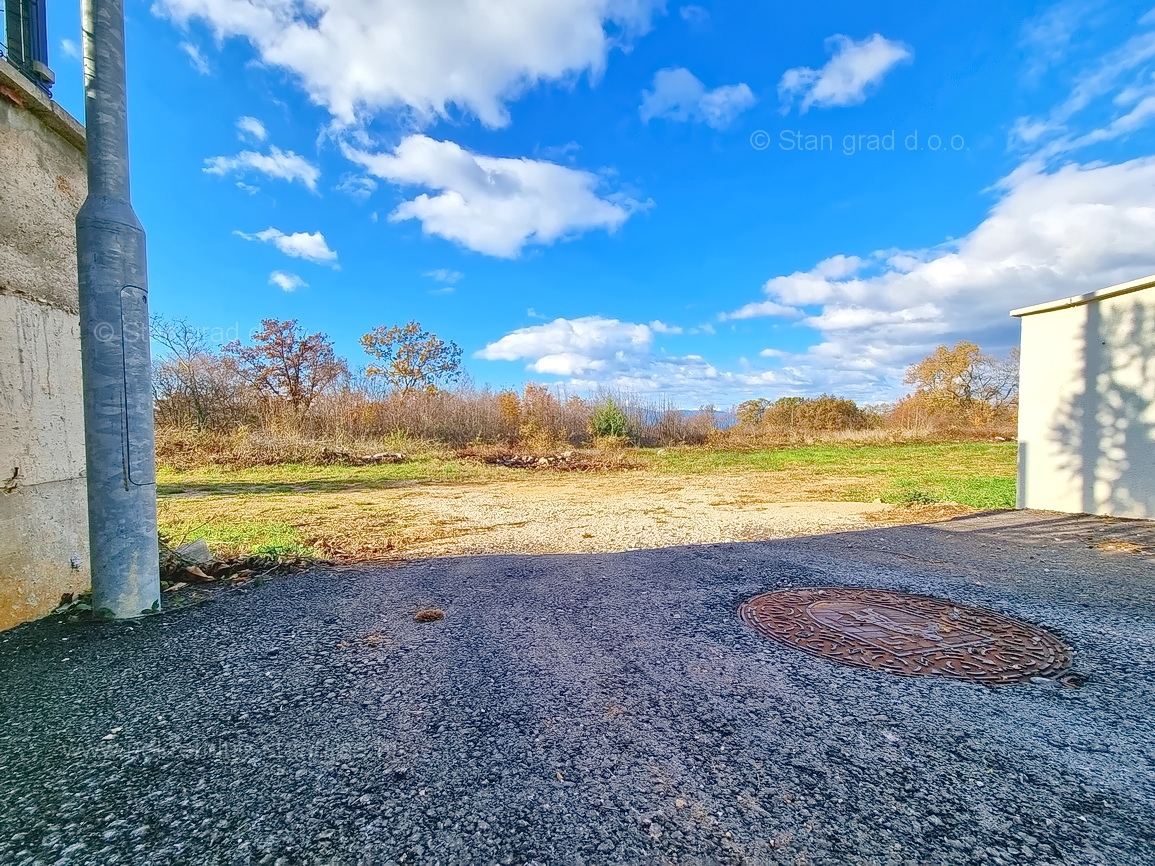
(704,202)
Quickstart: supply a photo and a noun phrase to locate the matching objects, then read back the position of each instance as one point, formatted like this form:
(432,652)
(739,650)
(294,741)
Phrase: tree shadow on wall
(1106,433)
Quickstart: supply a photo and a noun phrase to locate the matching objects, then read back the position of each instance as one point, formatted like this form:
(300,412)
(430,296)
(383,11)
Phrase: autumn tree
(962,378)
(509,411)
(286,363)
(751,411)
(411,359)
(541,417)
(784,412)
(813,414)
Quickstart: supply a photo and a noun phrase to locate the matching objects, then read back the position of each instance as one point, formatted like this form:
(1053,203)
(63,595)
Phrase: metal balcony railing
(24,40)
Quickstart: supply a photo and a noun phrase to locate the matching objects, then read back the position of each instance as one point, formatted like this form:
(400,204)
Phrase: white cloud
(854,68)
(694,15)
(69,48)
(566,347)
(249,188)
(1047,36)
(567,152)
(593,352)
(445,275)
(679,95)
(285,281)
(277,163)
(660,327)
(1123,81)
(1122,125)
(357,186)
(759,309)
(837,267)
(493,205)
(360,56)
(310,246)
(691,380)
(196,58)
(251,127)
(1130,58)
(1053,233)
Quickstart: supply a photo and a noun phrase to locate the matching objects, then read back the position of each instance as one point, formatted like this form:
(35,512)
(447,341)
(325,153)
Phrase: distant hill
(723,419)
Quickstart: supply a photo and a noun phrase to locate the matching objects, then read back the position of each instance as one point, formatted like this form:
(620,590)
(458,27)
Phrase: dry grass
(558,458)
(452,505)
(276,443)
(1120,547)
(920,513)
(742,438)
(183,449)
(429,614)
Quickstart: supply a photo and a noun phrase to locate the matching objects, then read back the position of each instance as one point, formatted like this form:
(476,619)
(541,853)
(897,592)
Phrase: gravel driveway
(602,708)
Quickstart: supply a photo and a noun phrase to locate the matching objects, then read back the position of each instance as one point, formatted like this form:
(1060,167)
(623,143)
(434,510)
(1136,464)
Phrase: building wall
(43,505)
(1087,407)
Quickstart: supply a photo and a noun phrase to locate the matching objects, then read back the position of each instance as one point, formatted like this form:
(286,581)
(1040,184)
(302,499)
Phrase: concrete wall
(43,506)
(1087,403)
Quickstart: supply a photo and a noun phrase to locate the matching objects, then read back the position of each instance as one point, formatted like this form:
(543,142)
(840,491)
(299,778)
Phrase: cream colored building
(43,503)
(1087,403)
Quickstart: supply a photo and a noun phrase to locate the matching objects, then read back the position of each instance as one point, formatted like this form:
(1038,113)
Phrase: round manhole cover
(908,635)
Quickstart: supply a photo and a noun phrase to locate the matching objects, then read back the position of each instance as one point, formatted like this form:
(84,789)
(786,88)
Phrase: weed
(918,497)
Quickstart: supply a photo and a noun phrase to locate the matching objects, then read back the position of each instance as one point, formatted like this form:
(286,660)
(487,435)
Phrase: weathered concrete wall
(43,507)
(1087,404)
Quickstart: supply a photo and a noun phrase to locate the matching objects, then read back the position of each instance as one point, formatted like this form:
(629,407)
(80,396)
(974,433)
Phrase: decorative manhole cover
(908,635)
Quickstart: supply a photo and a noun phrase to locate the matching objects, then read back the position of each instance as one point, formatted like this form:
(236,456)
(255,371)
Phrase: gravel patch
(545,512)
(600,708)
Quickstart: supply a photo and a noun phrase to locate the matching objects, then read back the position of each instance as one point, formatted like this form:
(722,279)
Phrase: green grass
(257,538)
(983,492)
(979,475)
(300,477)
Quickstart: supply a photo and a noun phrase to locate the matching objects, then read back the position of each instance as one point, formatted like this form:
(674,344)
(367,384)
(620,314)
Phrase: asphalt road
(588,709)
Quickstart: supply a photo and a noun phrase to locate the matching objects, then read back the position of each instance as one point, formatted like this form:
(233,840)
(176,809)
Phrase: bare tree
(192,383)
(286,363)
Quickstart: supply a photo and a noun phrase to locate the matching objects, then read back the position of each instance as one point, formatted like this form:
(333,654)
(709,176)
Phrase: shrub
(609,420)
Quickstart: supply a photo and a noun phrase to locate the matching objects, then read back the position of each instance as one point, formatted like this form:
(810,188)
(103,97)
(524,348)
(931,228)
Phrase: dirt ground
(540,512)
